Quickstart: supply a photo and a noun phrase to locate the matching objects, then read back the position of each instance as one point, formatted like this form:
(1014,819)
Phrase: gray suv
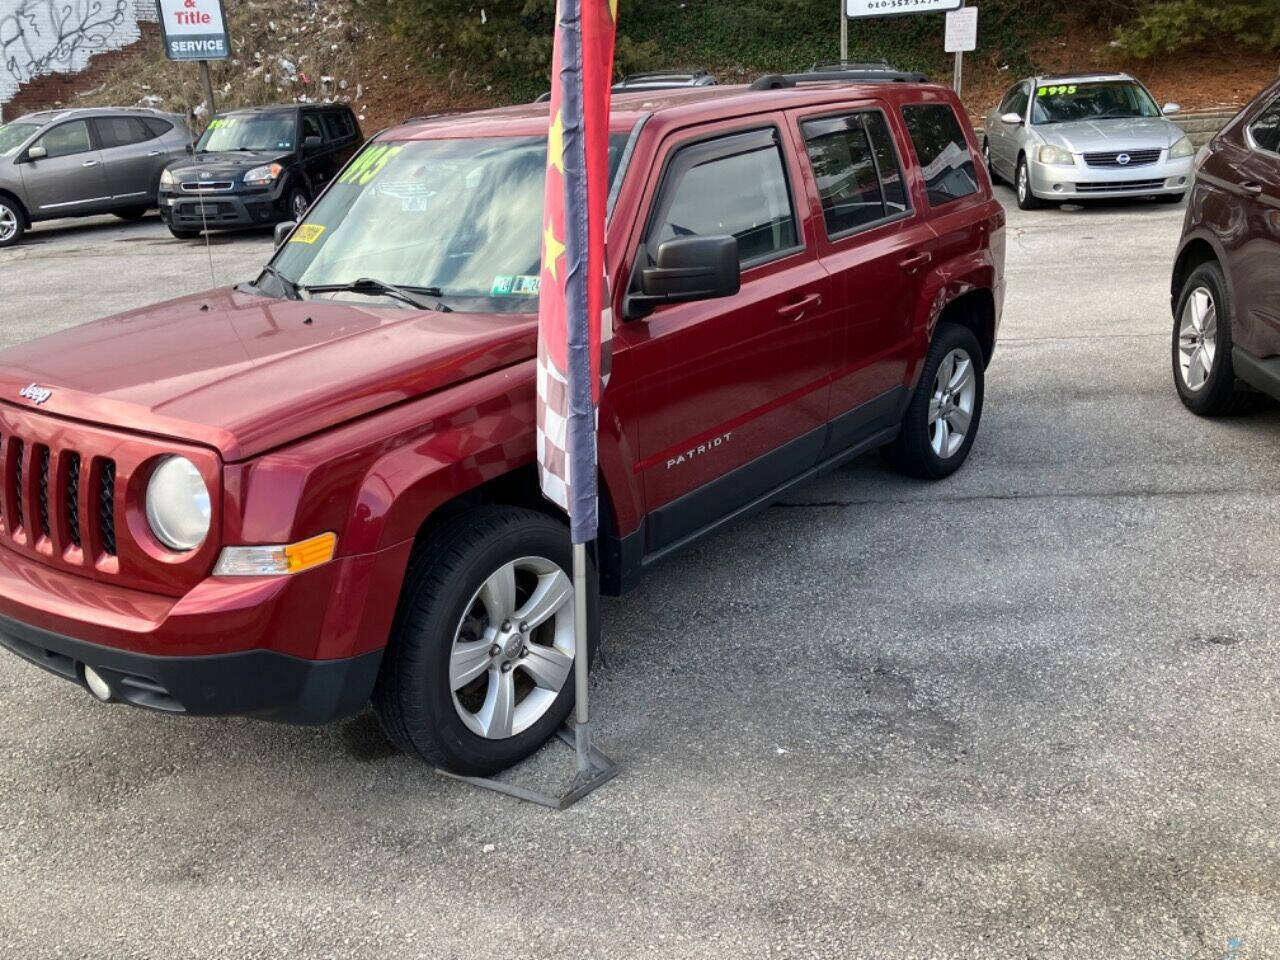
(76,163)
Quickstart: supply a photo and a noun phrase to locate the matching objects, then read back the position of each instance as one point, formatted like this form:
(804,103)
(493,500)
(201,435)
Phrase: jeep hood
(244,374)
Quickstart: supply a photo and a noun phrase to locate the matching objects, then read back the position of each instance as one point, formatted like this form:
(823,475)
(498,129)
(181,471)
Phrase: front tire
(479,672)
(1027,200)
(942,420)
(299,204)
(12,223)
(1202,340)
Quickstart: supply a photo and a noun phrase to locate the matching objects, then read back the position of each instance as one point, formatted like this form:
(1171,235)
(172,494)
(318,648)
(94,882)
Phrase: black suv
(257,166)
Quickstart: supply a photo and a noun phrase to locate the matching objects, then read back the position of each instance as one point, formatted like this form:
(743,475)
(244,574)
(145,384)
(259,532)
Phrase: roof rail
(665,80)
(826,66)
(779,81)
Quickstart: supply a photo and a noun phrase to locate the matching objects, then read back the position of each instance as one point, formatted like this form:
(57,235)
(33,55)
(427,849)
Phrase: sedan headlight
(178,506)
(1183,148)
(1056,156)
(267,173)
(167,179)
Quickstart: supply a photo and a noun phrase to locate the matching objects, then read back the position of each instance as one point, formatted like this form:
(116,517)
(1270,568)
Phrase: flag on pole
(574,320)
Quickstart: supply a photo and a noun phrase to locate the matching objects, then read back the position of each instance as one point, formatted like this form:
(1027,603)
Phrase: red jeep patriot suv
(291,497)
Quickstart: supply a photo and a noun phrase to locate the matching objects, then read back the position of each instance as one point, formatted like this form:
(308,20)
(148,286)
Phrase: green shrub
(1175,24)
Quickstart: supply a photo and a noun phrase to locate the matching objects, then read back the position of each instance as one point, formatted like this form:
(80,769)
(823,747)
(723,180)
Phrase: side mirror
(190,148)
(688,268)
(1171,108)
(283,230)
(312,143)
(37,153)
(1012,119)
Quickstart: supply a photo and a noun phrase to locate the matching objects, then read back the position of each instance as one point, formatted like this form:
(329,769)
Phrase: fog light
(97,685)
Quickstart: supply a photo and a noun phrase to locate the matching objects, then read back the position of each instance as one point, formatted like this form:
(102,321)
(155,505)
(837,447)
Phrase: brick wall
(50,49)
(1202,126)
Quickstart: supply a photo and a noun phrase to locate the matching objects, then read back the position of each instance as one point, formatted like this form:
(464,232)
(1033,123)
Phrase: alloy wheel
(1024,183)
(8,223)
(300,206)
(513,649)
(1197,338)
(955,391)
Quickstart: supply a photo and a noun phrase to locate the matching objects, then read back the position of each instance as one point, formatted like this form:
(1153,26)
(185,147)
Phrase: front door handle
(1252,188)
(796,311)
(156,153)
(89,163)
(915,262)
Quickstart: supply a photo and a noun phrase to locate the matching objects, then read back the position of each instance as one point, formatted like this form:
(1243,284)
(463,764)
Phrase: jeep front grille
(48,510)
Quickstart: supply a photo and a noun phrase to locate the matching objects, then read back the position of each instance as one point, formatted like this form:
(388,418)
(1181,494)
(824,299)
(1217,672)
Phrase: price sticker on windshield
(369,164)
(307,233)
(1057,91)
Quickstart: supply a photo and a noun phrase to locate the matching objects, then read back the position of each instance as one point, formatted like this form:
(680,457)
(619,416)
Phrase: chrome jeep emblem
(1123,159)
(35,393)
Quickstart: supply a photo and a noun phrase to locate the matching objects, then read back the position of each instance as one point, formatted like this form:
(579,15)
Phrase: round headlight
(178,507)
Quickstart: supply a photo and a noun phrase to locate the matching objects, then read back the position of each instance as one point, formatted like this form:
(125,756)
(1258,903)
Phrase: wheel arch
(1194,253)
(22,207)
(975,310)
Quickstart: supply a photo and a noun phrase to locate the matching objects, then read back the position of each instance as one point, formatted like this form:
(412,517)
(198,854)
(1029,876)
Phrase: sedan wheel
(1198,338)
(955,390)
(513,650)
(1026,199)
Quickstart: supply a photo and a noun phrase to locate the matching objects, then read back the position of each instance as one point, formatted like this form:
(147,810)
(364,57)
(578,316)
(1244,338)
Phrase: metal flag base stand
(594,768)
(598,771)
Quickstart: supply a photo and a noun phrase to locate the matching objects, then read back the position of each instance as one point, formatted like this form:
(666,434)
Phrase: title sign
(891,8)
(194,29)
(962,30)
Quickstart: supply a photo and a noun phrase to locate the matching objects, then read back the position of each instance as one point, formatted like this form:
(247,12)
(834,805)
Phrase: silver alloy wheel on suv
(10,223)
(513,650)
(1197,338)
(951,408)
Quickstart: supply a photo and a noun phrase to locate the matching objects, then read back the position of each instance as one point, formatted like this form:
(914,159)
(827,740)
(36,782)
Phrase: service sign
(892,8)
(962,30)
(194,30)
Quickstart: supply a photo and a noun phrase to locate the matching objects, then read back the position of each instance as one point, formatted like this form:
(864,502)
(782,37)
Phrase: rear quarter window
(942,150)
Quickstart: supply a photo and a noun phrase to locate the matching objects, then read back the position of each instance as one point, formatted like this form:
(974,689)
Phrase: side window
(891,179)
(1007,104)
(840,154)
(1021,98)
(158,128)
(943,152)
(733,186)
(66,139)
(311,126)
(1265,131)
(338,124)
(120,131)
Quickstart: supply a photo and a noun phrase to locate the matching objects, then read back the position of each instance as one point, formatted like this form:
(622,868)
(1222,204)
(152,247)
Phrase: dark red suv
(1226,281)
(291,497)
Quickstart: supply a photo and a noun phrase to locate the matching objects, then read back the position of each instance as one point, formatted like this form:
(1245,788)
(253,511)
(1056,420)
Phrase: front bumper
(221,210)
(300,649)
(1081,181)
(254,683)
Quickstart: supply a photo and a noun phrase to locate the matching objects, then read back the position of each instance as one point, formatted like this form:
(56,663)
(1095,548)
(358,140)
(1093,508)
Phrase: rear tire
(1026,199)
(942,420)
(1202,339)
(131,214)
(453,663)
(13,224)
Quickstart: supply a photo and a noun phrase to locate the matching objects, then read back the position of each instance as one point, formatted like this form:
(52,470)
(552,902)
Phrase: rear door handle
(792,312)
(1252,188)
(914,263)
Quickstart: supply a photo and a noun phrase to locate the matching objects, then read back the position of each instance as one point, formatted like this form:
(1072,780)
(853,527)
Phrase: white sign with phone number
(889,8)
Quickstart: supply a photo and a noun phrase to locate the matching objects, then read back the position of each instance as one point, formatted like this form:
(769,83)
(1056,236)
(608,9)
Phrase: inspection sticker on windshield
(522,286)
(1057,91)
(307,233)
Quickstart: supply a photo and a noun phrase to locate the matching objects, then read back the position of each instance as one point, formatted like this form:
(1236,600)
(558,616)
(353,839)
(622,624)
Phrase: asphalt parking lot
(1028,713)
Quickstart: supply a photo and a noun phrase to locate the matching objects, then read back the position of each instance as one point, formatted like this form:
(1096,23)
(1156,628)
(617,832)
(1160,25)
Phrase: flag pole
(581,662)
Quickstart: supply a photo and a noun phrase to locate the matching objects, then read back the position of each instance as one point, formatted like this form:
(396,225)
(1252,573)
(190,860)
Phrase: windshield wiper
(288,286)
(375,288)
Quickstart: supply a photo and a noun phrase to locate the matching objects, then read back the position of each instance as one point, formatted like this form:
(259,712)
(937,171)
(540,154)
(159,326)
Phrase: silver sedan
(1066,138)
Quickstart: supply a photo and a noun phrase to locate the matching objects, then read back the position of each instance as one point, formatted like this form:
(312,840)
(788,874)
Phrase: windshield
(269,133)
(459,218)
(1118,100)
(14,135)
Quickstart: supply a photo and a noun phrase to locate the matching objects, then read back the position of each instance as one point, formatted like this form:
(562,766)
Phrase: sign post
(860,9)
(195,30)
(962,38)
